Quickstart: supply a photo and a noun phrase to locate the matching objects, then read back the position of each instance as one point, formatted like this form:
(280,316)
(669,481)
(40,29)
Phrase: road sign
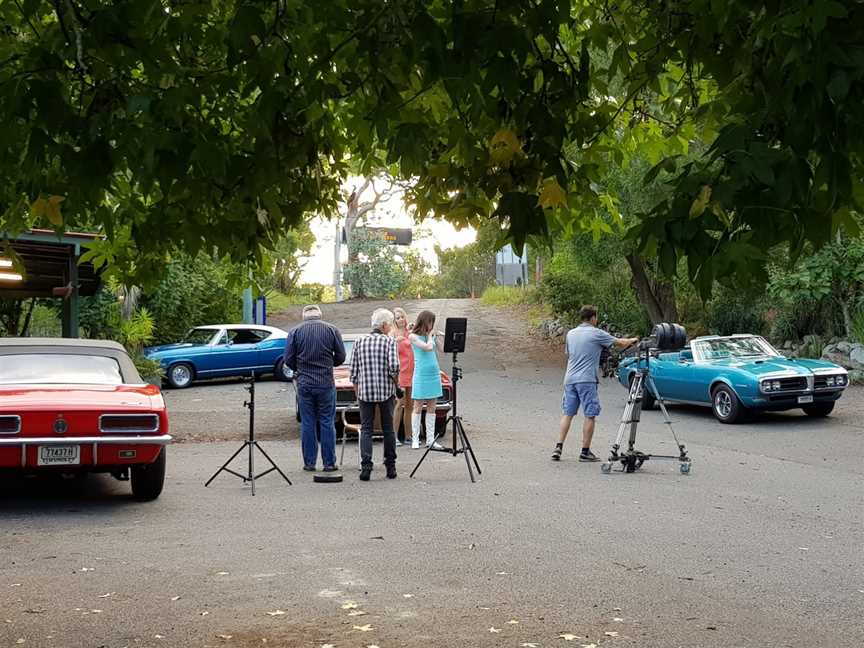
(394,236)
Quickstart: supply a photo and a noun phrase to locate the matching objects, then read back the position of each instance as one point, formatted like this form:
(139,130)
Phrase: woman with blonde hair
(403,408)
(426,382)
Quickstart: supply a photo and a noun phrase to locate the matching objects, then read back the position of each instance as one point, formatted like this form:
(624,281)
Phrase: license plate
(59,455)
(805,399)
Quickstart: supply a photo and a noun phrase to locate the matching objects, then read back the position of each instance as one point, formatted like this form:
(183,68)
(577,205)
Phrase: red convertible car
(80,406)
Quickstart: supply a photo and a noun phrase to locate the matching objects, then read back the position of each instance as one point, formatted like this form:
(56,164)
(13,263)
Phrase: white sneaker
(415,445)
(435,446)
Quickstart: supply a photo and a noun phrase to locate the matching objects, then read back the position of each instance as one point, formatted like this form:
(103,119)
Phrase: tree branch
(27,18)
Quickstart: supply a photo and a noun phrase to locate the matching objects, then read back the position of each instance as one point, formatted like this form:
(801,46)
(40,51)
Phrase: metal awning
(52,268)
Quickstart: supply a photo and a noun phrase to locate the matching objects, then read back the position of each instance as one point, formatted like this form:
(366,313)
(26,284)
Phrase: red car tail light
(125,423)
(10,424)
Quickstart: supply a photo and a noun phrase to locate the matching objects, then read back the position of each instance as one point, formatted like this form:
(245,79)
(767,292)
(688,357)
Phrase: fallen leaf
(356,613)
(502,573)
(529,645)
(222,573)
(619,619)
(485,608)
(86,569)
(276,613)
(204,613)
(407,596)
(175,598)
(225,637)
(512,622)
(372,646)
(106,595)
(567,637)
(20,641)
(589,645)
(15,585)
(158,637)
(350,605)
(327,646)
(96,611)
(363,628)
(611,634)
(616,609)
(494,630)
(804,548)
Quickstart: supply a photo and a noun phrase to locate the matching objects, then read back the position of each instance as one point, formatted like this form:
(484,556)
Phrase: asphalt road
(761,546)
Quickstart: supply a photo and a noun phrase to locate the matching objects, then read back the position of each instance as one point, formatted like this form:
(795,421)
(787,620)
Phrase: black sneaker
(391,472)
(309,468)
(330,469)
(365,474)
(556,454)
(588,456)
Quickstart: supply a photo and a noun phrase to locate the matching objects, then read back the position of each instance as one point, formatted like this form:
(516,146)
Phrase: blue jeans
(317,413)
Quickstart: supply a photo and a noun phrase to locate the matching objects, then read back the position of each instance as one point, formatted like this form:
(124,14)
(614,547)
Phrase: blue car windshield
(199,336)
(737,347)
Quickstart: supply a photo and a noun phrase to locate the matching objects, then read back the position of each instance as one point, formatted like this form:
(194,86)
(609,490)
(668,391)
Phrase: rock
(788,344)
(856,358)
(844,347)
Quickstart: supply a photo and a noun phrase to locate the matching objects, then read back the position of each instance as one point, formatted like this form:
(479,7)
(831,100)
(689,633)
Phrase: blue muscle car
(738,374)
(223,350)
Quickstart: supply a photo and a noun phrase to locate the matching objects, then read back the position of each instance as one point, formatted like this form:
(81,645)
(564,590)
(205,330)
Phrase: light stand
(461,444)
(251,444)
(631,460)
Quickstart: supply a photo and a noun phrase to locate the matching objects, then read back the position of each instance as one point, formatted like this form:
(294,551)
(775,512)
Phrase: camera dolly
(632,459)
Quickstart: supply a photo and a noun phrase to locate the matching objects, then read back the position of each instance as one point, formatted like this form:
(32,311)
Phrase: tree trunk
(656,297)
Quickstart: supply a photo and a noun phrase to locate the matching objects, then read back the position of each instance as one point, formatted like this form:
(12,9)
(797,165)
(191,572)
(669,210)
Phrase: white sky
(389,213)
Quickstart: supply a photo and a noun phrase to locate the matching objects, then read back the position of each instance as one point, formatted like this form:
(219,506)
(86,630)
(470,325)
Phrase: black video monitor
(456,328)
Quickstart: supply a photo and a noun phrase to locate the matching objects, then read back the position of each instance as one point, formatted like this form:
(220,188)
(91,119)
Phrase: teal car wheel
(180,375)
(725,404)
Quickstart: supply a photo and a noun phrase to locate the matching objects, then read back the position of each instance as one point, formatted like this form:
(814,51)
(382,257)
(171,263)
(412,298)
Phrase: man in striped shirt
(374,367)
(312,349)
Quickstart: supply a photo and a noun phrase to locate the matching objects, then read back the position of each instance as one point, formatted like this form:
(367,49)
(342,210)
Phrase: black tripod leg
(464,450)
(273,463)
(470,449)
(224,466)
(428,450)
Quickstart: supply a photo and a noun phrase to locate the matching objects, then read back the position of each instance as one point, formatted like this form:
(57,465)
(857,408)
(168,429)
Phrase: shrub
(735,311)
(567,286)
(858,325)
(194,291)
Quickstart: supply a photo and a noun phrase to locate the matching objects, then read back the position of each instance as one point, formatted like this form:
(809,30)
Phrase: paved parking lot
(763,545)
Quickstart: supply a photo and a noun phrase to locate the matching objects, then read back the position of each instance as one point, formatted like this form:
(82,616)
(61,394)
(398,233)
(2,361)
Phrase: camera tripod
(251,444)
(631,459)
(461,444)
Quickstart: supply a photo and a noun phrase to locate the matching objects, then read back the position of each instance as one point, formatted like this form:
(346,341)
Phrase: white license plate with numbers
(805,399)
(59,455)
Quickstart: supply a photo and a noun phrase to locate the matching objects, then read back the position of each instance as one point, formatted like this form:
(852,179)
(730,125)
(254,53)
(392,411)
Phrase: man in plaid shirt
(374,367)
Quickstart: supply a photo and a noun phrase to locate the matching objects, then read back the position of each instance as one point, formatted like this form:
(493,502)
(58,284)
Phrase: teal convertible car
(738,374)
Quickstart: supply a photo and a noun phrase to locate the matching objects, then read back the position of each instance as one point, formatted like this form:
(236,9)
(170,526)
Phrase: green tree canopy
(191,124)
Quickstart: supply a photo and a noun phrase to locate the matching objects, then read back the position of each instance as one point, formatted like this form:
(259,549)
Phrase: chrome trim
(162,439)
(17,419)
(130,430)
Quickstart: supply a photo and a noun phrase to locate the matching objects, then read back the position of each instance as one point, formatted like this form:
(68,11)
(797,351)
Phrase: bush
(567,286)
(194,291)
(735,311)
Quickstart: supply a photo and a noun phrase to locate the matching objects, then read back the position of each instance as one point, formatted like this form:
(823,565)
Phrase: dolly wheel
(606,467)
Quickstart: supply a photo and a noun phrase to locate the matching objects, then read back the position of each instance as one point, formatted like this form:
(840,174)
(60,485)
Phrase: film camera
(663,337)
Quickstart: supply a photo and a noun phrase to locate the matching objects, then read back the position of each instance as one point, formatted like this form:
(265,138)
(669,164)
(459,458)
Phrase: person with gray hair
(374,368)
(312,349)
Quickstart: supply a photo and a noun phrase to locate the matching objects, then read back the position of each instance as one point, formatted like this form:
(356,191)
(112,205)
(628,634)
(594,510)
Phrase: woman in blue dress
(426,382)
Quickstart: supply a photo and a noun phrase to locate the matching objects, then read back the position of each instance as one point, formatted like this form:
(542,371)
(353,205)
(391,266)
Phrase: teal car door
(669,375)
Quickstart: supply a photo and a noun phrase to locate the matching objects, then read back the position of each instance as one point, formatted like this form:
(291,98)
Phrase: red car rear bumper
(95,452)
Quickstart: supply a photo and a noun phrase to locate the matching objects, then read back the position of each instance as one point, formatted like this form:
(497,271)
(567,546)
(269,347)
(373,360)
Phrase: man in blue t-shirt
(583,347)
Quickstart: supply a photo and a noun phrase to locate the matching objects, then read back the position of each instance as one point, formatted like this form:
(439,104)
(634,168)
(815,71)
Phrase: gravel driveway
(762,546)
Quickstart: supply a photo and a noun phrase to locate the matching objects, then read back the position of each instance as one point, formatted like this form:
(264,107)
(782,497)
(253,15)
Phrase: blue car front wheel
(725,404)
(180,375)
